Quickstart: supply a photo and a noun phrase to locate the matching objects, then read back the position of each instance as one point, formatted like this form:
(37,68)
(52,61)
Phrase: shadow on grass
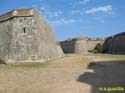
(107,77)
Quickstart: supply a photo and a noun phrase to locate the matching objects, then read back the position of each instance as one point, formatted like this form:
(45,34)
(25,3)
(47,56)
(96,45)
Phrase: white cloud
(76,12)
(63,21)
(84,1)
(67,21)
(81,2)
(57,13)
(43,8)
(106,9)
(53,14)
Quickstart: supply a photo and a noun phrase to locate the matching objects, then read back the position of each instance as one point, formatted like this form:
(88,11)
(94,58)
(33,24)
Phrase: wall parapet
(96,39)
(25,12)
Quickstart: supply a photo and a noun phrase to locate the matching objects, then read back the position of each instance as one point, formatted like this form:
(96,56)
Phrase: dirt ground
(69,74)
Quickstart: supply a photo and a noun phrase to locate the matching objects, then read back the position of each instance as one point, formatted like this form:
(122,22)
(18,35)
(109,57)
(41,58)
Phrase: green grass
(110,56)
(30,64)
(50,62)
(115,57)
(27,65)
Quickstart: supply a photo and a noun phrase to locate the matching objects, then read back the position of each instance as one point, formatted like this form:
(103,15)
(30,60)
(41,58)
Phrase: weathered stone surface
(92,42)
(115,44)
(80,45)
(25,36)
(60,51)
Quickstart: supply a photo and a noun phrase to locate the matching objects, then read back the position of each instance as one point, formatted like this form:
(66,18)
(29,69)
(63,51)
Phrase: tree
(99,48)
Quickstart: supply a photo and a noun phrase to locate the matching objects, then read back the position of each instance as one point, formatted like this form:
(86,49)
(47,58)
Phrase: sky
(74,18)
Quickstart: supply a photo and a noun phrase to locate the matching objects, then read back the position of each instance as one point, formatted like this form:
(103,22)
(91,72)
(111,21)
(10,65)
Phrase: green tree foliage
(99,48)
(2,61)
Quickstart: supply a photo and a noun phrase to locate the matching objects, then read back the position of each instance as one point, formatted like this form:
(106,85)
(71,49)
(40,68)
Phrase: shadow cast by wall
(107,74)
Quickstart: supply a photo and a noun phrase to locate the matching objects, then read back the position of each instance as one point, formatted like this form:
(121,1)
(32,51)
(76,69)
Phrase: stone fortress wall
(115,44)
(25,36)
(92,42)
(80,45)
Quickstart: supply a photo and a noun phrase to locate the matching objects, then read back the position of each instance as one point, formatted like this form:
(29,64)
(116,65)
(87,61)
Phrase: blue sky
(72,18)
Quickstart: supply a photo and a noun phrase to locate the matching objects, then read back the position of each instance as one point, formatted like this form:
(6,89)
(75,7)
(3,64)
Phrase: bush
(99,48)
(2,61)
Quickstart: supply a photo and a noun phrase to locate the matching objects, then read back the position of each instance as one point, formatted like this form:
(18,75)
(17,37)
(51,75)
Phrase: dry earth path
(69,74)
